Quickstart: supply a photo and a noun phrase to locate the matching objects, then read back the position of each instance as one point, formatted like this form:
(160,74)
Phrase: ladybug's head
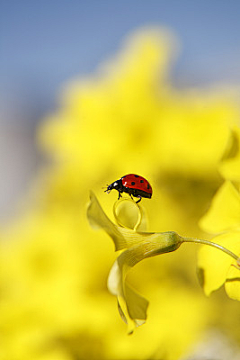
(115,185)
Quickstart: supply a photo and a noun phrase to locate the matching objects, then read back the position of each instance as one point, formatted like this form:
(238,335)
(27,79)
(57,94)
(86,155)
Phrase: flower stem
(210,243)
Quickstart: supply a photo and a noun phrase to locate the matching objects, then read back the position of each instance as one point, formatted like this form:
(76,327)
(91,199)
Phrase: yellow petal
(132,306)
(224,213)
(230,166)
(231,169)
(232,284)
(214,264)
(99,220)
(137,305)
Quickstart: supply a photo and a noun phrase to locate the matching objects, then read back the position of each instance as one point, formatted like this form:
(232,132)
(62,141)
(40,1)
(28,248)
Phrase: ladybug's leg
(119,195)
(139,199)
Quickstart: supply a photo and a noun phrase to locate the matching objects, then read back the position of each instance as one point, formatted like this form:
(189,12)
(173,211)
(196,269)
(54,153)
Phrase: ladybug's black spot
(148,186)
(141,181)
(132,183)
(136,175)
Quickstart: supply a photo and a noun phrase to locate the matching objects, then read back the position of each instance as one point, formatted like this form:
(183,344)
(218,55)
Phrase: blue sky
(45,43)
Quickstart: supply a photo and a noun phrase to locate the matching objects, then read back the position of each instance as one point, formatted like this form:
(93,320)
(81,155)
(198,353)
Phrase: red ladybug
(132,184)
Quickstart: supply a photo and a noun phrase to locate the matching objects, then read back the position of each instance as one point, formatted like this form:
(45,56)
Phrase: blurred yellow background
(127,117)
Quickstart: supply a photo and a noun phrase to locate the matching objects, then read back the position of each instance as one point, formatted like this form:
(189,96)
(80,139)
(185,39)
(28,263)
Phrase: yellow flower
(139,245)
(223,217)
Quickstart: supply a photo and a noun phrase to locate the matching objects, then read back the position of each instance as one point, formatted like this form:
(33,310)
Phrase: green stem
(210,243)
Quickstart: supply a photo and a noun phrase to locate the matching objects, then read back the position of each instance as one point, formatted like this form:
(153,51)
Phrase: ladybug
(134,185)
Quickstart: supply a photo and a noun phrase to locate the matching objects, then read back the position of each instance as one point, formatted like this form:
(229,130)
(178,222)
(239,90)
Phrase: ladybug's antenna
(105,187)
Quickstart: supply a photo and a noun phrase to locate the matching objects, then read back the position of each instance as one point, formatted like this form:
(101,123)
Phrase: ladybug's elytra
(134,185)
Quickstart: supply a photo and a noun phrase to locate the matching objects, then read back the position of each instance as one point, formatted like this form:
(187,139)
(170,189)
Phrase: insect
(134,185)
